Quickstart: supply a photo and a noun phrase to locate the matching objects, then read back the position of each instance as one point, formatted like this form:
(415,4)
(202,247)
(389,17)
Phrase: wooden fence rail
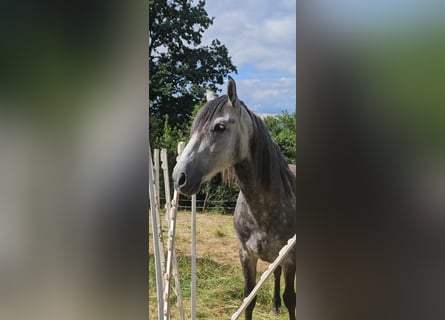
(283,253)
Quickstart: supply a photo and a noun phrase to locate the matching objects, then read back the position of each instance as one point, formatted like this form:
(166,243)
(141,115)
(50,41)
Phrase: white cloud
(279,31)
(262,94)
(261,38)
(267,95)
(290,4)
(262,33)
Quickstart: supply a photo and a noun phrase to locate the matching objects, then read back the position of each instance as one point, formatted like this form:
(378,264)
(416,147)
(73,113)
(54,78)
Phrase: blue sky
(261,39)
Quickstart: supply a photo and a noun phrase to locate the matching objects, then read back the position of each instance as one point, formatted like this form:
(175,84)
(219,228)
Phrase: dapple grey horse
(227,136)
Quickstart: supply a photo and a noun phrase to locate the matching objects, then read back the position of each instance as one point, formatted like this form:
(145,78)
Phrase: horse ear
(231,91)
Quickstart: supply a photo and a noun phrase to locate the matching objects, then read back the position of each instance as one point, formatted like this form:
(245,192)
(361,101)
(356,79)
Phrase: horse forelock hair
(206,115)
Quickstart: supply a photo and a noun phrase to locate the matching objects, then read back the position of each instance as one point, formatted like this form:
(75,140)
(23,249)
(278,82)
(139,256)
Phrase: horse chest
(262,228)
(263,246)
(258,240)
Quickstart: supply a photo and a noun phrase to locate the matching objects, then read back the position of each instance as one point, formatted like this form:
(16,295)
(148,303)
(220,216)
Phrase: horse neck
(263,174)
(257,193)
(250,187)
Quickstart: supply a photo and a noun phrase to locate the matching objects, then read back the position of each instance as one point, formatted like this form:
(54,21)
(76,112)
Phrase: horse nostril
(182,179)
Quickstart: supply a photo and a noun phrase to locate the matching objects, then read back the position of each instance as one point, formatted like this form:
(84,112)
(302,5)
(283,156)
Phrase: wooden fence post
(171,243)
(156,169)
(164,166)
(157,249)
(157,209)
(193,275)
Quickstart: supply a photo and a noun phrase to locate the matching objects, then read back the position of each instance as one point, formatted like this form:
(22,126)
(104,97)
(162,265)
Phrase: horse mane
(269,160)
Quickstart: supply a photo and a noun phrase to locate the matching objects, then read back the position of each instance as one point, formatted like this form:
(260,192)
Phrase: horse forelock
(206,115)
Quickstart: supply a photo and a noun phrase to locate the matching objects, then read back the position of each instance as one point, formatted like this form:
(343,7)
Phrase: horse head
(218,140)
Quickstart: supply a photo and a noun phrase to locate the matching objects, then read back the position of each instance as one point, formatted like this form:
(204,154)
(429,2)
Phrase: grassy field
(219,277)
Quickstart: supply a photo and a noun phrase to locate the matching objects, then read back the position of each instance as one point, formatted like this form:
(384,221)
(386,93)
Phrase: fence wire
(209,204)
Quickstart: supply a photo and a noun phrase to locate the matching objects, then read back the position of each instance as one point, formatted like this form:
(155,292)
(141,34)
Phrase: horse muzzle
(185,183)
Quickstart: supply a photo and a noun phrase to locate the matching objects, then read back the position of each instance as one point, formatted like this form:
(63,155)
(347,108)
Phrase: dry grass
(219,276)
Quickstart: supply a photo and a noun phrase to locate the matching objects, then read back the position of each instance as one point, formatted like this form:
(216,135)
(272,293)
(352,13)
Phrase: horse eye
(219,127)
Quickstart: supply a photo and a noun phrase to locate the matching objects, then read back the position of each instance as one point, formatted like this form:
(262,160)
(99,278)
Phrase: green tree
(283,130)
(221,196)
(162,135)
(180,68)
(166,137)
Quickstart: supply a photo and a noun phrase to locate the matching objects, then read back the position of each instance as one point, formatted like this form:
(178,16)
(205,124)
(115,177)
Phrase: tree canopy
(180,67)
(283,128)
